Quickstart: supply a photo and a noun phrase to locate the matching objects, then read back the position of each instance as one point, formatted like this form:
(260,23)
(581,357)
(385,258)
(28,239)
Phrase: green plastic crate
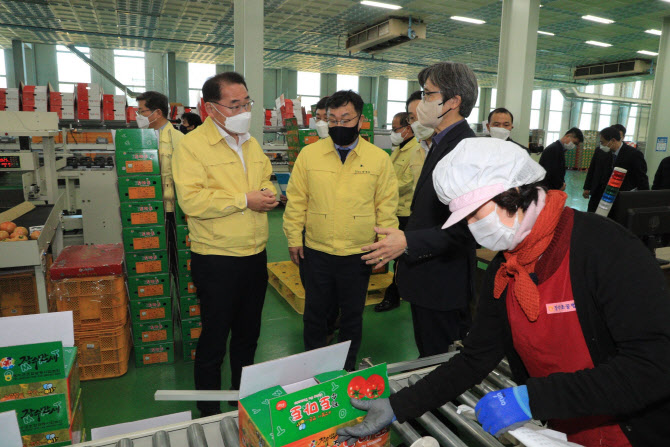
(140,188)
(184,262)
(147,262)
(151,309)
(183,241)
(149,286)
(135,139)
(142,214)
(144,238)
(156,354)
(186,285)
(152,332)
(191,329)
(189,307)
(189,350)
(137,162)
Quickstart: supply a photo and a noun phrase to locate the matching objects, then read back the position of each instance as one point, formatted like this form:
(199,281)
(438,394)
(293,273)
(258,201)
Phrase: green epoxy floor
(387,337)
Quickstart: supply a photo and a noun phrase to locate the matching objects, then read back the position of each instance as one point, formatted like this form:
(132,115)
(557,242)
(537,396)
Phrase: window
(494,96)
(347,82)
(632,123)
(608,89)
(605,115)
(535,106)
(309,89)
(397,95)
(590,89)
(3,70)
(555,115)
(474,114)
(71,69)
(587,115)
(197,75)
(129,70)
(637,90)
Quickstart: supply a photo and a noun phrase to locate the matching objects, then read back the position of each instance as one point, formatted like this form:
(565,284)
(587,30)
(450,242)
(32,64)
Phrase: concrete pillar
(269,88)
(412,86)
(329,84)
(154,74)
(29,63)
(485,105)
(287,83)
(171,71)
(47,66)
(382,100)
(659,126)
(575,113)
(181,68)
(248,18)
(104,58)
(222,68)
(9,67)
(365,88)
(516,61)
(19,62)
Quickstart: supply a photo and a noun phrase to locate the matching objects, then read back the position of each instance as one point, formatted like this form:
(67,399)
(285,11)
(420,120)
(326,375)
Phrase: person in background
(153,109)
(189,121)
(614,153)
(436,267)
(422,133)
(223,185)
(320,119)
(621,129)
(405,145)
(340,189)
(553,158)
(662,177)
(500,124)
(588,346)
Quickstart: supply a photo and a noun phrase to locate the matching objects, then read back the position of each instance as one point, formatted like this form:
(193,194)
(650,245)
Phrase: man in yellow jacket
(405,147)
(422,133)
(341,188)
(223,185)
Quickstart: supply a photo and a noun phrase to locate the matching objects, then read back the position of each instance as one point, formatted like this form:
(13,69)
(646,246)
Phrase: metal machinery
(445,424)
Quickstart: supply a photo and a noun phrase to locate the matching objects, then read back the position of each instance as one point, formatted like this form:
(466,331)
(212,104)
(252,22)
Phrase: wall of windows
(71,69)
(553,128)
(397,95)
(535,107)
(309,88)
(3,70)
(129,69)
(197,75)
(347,82)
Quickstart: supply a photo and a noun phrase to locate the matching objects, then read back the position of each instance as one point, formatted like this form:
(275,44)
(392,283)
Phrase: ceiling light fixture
(468,20)
(598,44)
(598,19)
(380,5)
(655,32)
(545,33)
(648,53)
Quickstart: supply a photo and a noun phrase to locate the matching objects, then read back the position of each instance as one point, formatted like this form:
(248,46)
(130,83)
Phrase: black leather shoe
(386,305)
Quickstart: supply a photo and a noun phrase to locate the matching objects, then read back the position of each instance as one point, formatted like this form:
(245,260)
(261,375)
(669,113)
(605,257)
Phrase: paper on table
(531,435)
(38,328)
(144,424)
(9,427)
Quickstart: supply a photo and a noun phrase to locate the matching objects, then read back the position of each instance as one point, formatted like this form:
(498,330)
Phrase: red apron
(555,343)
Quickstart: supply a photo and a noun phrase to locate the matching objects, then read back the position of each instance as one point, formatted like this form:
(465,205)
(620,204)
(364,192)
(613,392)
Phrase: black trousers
(391,293)
(331,283)
(171,239)
(435,330)
(232,292)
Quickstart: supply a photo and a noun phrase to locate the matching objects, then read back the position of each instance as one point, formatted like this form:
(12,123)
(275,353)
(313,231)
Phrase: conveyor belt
(36,217)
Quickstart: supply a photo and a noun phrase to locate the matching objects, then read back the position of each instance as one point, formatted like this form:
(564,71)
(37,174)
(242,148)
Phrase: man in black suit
(436,269)
(500,125)
(553,158)
(613,153)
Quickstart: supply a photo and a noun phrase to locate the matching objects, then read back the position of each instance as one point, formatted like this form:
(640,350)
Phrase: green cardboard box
(40,414)
(31,363)
(72,434)
(368,135)
(140,187)
(151,309)
(180,217)
(186,285)
(183,241)
(141,214)
(190,307)
(191,329)
(146,262)
(136,139)
(137,162)
(189,350)
(149,286)
(309,408)
(156,354)
(184,262)
(144,238)
(152,332)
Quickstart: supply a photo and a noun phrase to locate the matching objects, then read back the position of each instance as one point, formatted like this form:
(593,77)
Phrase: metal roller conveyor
(160,439)
(500,380)
(196,436)
(229,432)
(504,368)
(462,423)
(406,432)
(124,443)
(468,399)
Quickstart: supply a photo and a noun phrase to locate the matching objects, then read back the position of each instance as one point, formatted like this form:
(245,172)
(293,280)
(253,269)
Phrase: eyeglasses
(142,112)
(333,122)
(425,93)
(395,129)
(246,107)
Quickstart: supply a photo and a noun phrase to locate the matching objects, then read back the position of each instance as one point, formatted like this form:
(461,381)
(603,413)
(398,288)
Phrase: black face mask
(183,129)
(344,136)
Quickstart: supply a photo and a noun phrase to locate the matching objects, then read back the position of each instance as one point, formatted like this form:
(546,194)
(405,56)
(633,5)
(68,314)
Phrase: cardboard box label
(30,363)
(139,166)
(148,267)
(144,218)
(148,291)
(141,192)
(146,243)
(195,332)
(194,310)
(155,357)
(153,314)
(154,335)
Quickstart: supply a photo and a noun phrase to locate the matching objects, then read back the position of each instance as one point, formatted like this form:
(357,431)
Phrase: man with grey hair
(436,266)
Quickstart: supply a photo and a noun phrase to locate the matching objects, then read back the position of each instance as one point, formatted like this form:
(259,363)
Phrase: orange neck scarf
(520,262)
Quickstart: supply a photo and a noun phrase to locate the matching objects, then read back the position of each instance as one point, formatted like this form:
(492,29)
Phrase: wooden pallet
(285,278)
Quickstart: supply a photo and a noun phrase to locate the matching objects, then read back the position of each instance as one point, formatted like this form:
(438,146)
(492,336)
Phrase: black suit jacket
(553,161)
(437,272)
(662,177)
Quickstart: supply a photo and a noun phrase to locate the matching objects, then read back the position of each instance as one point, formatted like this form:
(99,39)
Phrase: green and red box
(156,354)
(141,214)
(149,286)
(137,162)
(140,187)
(147,262)
(152,332)
(151,309)
(144,238)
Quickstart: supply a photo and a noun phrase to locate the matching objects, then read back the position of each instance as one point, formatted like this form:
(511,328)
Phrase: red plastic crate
(79,261)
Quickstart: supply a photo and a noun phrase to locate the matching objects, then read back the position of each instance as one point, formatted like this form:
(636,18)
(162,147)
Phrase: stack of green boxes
(189,306)
(296,139)
(368,127)
(145,245)
(41,383)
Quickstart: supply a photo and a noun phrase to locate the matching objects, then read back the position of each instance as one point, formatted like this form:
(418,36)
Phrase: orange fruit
(9,227)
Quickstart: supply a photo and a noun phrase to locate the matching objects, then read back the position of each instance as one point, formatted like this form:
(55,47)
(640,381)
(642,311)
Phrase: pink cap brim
(468,203)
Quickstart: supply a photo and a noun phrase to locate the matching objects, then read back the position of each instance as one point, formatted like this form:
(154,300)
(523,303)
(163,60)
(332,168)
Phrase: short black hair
(193,118)
(403,117)
(519,198)
(620,127)
(609,133)
(416,96)
(344,97)
(155,101)
(501,110)
(576,133)
(323,102)
(211,89)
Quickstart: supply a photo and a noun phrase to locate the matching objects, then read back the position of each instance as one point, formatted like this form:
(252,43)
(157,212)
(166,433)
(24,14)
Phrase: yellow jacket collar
(211,131)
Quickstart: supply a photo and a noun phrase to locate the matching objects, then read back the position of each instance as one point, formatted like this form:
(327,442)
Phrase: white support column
(516,62)
(248,18)
(659,126)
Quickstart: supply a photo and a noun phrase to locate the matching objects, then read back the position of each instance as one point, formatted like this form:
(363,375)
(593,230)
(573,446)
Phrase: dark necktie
(343,154)
(612,161)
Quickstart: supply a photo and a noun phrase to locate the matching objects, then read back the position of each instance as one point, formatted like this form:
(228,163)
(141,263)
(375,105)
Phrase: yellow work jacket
(400,158)
(339,204)
(167,143)
(416,162)
(211,185)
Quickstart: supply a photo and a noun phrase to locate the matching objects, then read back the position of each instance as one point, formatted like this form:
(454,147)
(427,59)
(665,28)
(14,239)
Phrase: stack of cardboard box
(114,107)
(89,101)
(9,99)
(34,98)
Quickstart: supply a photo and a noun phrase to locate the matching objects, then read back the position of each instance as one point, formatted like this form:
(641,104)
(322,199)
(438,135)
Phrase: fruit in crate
(3,235)
(9,227)
(21,231)
(35,235)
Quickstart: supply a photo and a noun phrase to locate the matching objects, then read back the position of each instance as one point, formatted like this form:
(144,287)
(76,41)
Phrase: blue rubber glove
(504,410)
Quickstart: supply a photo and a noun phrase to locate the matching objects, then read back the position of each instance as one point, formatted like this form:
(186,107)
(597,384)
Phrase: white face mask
(499,132)
(605,148)
(322,129)
(430,113)
(143,121)
(491,233)
(569,146)
(396,138)
(238,124)
(422,132)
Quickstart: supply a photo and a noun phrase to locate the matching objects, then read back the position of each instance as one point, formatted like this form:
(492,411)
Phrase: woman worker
(576,303)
